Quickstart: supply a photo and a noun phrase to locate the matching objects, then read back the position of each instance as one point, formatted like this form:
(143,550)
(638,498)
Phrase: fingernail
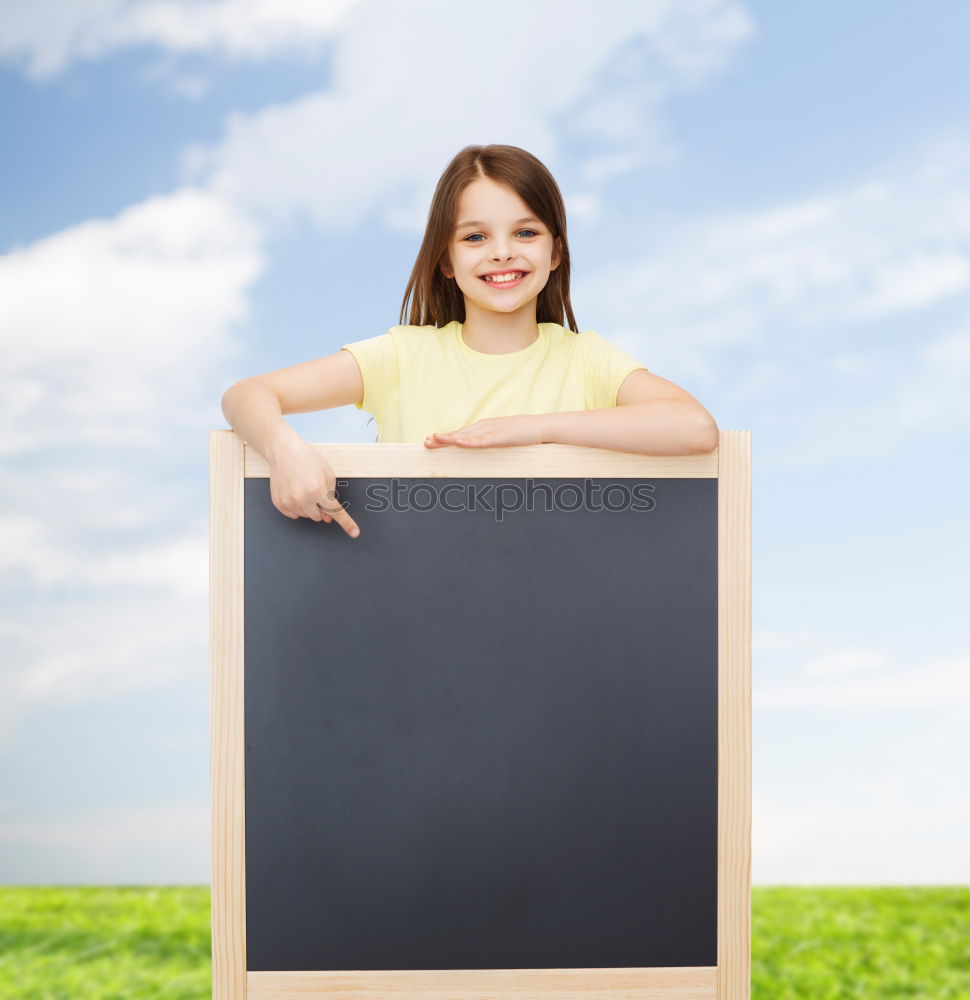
(355,532)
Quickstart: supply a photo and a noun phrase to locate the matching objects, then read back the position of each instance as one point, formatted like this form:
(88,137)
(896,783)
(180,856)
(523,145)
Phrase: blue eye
(532,231)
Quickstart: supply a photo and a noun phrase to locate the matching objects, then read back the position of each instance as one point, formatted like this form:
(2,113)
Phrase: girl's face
(497,231)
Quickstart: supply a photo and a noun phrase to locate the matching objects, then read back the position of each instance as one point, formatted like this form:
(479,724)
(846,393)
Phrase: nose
(500,250)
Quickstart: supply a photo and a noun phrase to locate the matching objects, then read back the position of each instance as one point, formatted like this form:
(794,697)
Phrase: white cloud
(103,645)
(618,62)
(781,834)
(805,271)
(114,844)
(44,559)
(857,681)
(774,640)
(901,392)
(887,829)
(938,392)
(46,36)
(841,662)
(118,338)
(853,765)
(114,826)
(918,279)
(841,322)
(111,327)
(691,38)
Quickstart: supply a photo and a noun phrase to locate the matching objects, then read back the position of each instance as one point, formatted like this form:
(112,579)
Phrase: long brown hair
(438,300)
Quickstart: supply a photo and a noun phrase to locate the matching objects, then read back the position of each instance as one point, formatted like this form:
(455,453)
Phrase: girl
(485,361)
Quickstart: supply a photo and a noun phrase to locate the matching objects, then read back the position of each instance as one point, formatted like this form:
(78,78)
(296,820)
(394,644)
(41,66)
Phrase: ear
(556,254)
(446,267)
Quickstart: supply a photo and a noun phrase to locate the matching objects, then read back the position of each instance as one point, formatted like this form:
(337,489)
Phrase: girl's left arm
(652,416)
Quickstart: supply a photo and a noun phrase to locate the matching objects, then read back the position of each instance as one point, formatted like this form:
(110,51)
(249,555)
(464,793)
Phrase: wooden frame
(231,462)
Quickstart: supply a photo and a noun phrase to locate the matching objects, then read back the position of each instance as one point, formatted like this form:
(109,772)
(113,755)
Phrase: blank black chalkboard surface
(497,745)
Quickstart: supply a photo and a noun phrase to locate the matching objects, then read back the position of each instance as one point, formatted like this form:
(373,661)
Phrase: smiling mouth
(504,280)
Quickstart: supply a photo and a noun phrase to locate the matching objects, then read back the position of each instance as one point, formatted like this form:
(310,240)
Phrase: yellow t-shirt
(420,379)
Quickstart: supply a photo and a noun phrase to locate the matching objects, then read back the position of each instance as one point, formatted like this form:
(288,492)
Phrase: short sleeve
(605,366)
(377,359)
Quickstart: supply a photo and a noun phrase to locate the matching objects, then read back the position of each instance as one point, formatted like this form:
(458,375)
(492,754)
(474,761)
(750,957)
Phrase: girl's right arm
(299,474)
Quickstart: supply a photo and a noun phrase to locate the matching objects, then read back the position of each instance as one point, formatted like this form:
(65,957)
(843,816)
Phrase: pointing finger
(341,516)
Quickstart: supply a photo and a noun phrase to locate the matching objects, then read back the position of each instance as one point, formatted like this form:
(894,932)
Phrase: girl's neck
(499,333)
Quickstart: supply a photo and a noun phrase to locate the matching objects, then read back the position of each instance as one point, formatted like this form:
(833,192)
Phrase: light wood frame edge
(734,716)
(694,983)
(568,460)
(227,761)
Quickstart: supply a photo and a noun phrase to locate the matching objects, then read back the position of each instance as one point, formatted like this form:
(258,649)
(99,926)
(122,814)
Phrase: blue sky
(768,204)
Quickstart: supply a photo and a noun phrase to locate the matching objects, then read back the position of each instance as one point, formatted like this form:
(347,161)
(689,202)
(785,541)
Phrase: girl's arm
(301,479)
(652,416)
(254,407)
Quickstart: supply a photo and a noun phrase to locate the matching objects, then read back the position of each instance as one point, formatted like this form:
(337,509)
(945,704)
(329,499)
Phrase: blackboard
(482,743)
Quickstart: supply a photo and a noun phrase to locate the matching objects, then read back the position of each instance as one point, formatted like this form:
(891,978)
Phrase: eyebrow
(518,222)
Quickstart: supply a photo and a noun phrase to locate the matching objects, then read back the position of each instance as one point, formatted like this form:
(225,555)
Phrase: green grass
(104,943)
(849,944)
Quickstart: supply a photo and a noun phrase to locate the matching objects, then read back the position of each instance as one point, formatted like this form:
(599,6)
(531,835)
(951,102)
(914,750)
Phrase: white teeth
(505,277)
